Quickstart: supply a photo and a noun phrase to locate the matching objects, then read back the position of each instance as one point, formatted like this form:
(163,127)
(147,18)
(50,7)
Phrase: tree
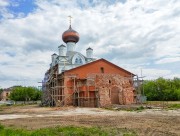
(1,90)
(25,94)
(162,89)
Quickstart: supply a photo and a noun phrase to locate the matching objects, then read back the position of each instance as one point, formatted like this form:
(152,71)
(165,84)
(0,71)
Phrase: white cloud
(4,3)
(168,60)
(154,73)
(133,34)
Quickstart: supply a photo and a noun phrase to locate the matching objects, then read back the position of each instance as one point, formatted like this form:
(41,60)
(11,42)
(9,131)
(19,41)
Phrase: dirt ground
(149,122)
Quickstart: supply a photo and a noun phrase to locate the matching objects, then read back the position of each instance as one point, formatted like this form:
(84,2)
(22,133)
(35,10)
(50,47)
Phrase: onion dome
(70,35)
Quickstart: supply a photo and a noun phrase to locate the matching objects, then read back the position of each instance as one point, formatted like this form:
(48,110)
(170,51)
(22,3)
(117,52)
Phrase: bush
(25,94)
(1,127)
(162,89)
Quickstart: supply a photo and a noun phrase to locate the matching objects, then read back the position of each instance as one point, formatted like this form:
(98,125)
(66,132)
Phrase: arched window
(80,60)
(76,60)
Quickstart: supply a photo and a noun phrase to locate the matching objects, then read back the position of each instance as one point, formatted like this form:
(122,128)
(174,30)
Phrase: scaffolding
(56,92)
(86,93)
(138,85)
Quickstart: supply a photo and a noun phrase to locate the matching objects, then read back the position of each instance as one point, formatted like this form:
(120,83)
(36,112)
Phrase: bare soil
(149,122)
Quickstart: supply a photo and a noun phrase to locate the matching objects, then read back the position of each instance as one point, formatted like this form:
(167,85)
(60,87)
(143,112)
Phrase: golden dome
(70,35)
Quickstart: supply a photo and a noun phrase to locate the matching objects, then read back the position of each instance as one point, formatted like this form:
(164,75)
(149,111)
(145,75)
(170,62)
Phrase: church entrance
(116,96)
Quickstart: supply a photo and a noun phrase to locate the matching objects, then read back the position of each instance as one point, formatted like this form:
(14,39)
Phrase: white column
(89,53)
(62,50)
(71,46)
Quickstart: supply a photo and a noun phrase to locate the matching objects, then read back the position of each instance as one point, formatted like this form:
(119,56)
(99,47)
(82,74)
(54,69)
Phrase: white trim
(78,55)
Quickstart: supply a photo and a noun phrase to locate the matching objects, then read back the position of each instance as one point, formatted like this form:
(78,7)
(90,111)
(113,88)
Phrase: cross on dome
(70,17)
(70,35)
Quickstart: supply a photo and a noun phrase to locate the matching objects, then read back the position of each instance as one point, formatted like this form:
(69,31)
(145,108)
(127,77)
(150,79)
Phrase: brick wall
(114,84)
(114,89)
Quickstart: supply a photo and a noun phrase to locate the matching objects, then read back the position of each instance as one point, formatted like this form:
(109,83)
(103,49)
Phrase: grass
(139,109)
(173,106)
(160,102)
(131,109)
(2,107)
(67,131)
(168,105)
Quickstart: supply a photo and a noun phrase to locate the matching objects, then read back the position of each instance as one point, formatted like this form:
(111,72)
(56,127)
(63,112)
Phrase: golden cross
(70,19)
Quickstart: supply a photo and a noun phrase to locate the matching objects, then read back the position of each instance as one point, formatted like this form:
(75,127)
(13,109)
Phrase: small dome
(61,46)
(70,35)
(89,48)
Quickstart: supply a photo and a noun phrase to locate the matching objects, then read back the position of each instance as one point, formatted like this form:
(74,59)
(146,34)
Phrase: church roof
(89,48)
(104,60)
(62,45)
(53,54)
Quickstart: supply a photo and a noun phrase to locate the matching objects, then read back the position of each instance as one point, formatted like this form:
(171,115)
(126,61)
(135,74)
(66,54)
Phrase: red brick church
(78,80)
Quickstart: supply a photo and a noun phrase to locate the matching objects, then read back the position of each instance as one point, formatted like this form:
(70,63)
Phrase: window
(102,70)
(80,61)
(76,61)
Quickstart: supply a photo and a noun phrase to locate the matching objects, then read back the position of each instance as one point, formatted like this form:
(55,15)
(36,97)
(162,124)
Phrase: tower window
(102,70)
(76,61)
(80,61)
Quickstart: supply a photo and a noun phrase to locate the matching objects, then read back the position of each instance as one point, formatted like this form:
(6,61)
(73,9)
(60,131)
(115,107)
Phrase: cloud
(168,60)
(4,3)
(135,34)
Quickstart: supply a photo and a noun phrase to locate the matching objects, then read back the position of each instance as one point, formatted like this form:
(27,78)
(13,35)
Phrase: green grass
(2,107)
(161,102)
(130,109)
(67,131)
(139,109)
(168,105)
(173,106)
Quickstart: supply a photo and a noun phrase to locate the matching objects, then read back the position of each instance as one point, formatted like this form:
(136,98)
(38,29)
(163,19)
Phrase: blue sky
(134,34)
(16,7)
(21,6)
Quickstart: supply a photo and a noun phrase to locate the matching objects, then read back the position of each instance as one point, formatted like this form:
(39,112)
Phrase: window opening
(76,61)
(102,70)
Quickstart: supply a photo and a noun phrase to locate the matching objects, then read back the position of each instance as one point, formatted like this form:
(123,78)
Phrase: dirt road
(147,122)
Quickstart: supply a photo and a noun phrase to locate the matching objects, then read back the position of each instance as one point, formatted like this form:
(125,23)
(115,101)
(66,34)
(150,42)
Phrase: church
(68,58)
(74,79)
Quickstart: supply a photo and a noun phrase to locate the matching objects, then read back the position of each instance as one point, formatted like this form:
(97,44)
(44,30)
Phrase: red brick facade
(111,84)
(96,84)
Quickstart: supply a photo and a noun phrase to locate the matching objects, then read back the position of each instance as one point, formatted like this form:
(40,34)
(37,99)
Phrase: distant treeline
(25,94)
(162,89)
